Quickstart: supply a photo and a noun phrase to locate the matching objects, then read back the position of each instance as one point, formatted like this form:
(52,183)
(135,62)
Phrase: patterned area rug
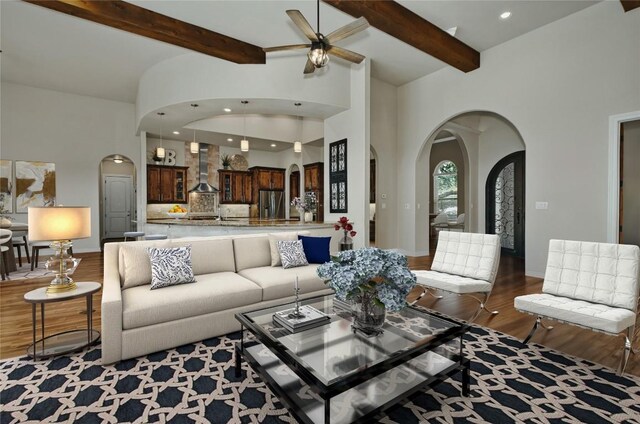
(196,383)
(24,272)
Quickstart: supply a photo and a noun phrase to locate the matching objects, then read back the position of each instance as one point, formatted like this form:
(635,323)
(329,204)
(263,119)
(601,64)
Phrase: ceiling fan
(321,46)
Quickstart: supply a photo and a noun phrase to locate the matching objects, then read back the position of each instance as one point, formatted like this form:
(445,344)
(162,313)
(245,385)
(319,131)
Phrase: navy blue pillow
(316,249)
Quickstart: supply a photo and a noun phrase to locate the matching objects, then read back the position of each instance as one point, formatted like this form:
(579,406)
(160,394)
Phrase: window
(445,188)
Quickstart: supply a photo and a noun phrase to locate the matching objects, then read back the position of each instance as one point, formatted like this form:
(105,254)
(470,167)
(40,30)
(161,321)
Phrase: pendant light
(244,143)
(160,152)
(297,145)
(194,147)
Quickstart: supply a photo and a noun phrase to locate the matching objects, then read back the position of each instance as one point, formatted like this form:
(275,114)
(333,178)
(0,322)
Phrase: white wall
(631,183)
(76,133)
(384,120)
(353,125)
(558,85)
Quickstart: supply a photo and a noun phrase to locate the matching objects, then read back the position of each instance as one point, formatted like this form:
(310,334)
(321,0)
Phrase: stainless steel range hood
(203,185)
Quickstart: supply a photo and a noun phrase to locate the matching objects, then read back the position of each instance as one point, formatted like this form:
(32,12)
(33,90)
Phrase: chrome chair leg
(425,291)
(627,349)
(535,327)
(483,306)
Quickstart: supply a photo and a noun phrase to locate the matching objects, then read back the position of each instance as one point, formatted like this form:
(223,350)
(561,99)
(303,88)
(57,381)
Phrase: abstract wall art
(35,184)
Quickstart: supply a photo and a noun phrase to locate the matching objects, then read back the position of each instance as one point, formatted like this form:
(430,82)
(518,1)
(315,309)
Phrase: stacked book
(309,317)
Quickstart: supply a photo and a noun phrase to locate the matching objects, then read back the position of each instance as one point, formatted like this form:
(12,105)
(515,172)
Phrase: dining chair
(5,236)
(21,243)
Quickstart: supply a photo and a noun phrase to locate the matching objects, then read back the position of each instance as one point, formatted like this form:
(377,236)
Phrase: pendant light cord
(318,15)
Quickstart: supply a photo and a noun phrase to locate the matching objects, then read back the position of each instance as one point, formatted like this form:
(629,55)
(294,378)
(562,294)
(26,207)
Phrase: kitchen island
(183,227)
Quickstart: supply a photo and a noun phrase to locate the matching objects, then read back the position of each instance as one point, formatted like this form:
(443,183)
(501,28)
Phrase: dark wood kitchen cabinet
(166,184)
(264,178)
(235,186)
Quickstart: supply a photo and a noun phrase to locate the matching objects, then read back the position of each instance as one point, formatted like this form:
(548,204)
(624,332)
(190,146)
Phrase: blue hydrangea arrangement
(352,272)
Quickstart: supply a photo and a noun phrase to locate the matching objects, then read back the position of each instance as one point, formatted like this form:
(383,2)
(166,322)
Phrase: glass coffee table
(331,374)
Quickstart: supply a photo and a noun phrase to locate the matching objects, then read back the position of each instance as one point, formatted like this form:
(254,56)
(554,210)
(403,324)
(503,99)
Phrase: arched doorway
(483,138)
(294,189)
(117,196)
(505,195)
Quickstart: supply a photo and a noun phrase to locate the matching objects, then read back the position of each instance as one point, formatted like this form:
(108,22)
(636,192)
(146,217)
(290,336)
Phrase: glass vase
(368,315)
(346,242)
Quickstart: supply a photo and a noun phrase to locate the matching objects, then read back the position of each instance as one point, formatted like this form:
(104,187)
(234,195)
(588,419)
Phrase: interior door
(117,205)
(505,203)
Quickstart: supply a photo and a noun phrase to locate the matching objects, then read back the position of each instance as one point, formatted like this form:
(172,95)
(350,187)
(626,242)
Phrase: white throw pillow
(273,245)
(170,266)
(292,254)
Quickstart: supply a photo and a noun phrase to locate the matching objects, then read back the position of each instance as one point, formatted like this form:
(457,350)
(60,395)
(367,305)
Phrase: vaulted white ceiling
(47,49)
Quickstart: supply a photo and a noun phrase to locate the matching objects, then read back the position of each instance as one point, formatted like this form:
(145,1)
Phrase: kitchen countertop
(239,222)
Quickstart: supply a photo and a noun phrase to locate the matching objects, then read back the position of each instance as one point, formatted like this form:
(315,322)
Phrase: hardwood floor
(15,314)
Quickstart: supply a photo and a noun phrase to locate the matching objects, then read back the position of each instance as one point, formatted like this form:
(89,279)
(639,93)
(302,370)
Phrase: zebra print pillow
(170,266)
(292,253)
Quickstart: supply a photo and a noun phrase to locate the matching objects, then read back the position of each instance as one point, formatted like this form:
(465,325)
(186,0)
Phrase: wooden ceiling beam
(131,18)
(401,23)
(628,5)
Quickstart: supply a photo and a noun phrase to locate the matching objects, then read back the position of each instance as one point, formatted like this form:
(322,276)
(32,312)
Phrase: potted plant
(346,242)
(373,281)
(226,161)
(305,206)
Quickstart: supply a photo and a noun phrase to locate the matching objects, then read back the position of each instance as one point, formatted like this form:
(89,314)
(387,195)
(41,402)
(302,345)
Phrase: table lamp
(60,224)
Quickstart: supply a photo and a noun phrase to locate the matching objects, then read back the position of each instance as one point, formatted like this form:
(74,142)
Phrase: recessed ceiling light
(505,15)
(226,109)
(229,139)
(273,144)
(176,132)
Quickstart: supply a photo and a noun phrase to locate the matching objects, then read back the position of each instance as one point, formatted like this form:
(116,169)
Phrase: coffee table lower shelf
(361,403)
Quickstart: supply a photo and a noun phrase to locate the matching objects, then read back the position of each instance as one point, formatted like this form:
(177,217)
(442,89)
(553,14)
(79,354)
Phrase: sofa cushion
(316,249)
(596,272)
(209,255)
(273,245)
(470,255)
(211,293)
(279,282)
(170,266)
(134,264)
(586,314)
(251,252)
(292,254)
(451,283)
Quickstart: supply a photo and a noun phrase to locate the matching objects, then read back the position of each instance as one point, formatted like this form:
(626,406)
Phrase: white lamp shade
(297,147)
(195,147)
(59,223)
(160,152)
(244,145)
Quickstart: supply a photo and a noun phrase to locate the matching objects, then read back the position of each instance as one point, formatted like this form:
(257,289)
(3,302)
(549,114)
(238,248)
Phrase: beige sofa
(233,274)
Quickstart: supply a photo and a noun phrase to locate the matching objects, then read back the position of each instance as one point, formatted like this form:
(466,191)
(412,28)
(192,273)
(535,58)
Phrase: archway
(117,190)
(484,138)
(294,183)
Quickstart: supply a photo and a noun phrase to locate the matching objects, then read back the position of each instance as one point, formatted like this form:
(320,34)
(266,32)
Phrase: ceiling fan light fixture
(318,55)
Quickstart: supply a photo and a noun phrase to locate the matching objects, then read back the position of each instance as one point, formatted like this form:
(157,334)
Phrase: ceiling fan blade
(309,67)
(345,54)
(347,30)
(303,24)
(289,47)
